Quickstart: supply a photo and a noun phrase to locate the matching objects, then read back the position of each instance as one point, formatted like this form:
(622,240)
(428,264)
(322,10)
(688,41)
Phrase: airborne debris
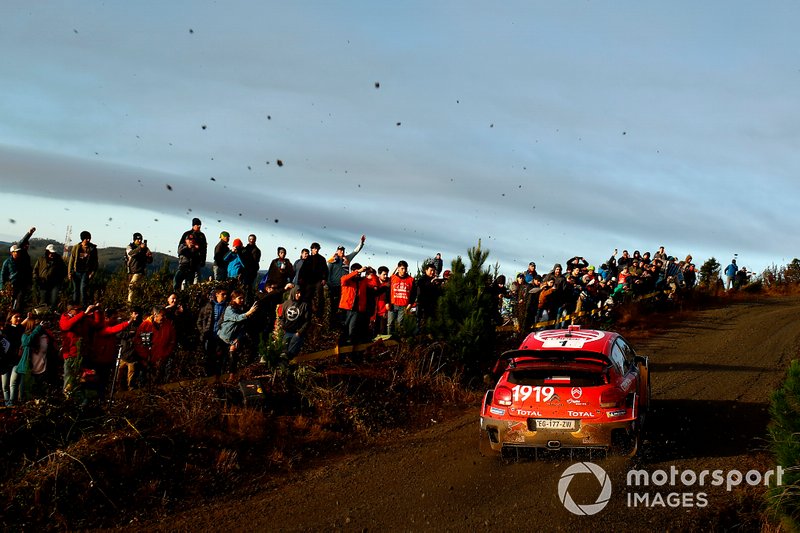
(280,162)
(169,187)
(12,220)
(377,85)
(204,126)
(191,30)
(276,220)
(397,124)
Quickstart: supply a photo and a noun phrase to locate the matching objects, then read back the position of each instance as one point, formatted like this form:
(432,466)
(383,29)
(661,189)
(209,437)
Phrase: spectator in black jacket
(189,259)
(138,257)
(201,247)
(219,269)
(49,274)
(312,277)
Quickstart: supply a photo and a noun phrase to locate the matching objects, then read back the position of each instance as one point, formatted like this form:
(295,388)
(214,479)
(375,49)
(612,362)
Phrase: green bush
(465,319)
(784,431)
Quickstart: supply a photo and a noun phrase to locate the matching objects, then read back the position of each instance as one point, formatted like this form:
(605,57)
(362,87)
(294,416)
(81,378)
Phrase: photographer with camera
(138,256)
(190,259)
(154,343)
(76,327)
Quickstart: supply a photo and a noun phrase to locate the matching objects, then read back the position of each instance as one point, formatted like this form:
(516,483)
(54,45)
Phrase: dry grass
(152,451)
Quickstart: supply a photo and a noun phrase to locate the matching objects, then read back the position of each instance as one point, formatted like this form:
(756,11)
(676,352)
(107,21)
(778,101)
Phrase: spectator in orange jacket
(155,342)
(353,301)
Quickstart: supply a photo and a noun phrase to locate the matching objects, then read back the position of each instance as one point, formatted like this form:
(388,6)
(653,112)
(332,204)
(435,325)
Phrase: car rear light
(503,396)
(612,398)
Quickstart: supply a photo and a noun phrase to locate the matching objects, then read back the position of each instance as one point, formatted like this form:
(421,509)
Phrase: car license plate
(549,423)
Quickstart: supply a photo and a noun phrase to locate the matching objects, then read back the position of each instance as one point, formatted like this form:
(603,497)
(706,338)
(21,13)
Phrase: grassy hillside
(111,259)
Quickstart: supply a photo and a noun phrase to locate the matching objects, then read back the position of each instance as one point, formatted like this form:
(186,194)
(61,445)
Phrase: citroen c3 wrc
(568,388)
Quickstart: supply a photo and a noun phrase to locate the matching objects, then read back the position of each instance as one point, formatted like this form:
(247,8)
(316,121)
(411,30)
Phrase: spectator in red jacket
(103,354)
(155,342)
(76,326)
(400,294)
(381,292)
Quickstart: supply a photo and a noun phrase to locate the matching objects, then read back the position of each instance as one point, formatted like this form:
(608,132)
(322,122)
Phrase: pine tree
(709,273)
(464,319)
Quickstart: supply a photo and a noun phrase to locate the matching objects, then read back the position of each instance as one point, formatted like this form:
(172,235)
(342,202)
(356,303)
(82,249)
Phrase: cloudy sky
(545,129)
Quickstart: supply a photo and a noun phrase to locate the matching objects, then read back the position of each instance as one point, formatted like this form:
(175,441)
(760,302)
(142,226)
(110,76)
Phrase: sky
(543,129)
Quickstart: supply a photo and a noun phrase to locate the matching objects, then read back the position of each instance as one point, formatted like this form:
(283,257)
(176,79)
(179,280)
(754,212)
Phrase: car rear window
(556,377)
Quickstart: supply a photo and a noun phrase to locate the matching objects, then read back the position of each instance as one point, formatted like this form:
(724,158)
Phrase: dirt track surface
(712,379)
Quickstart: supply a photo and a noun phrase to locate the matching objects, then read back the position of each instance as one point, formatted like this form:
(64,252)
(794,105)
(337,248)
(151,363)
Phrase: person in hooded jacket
(294,316)
(235,262)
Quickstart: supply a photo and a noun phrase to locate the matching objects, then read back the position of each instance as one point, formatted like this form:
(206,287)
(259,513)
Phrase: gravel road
(712,379)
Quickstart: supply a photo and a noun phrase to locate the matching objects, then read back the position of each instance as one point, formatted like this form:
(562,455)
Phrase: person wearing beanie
(221,250)
(201,245)
(234,260)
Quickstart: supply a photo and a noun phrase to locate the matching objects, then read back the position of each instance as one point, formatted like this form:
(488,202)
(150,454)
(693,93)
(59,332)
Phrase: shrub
(465,316)
(784,431)
(709,273)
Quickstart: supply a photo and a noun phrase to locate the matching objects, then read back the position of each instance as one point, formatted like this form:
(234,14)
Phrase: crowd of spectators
(85,343)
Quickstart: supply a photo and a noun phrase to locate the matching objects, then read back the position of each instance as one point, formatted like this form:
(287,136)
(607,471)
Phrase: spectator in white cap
(49,274)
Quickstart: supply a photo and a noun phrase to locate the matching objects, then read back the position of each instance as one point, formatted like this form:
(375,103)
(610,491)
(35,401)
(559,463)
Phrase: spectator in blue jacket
(730,274)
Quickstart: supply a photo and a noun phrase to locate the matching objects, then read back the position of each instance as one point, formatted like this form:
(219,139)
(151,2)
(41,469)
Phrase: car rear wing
(512,358)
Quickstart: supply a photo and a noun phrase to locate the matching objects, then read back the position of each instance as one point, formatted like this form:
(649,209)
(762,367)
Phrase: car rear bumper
(516,433)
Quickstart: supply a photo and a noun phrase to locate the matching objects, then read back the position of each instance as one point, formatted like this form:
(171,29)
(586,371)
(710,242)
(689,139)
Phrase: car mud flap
(484,446)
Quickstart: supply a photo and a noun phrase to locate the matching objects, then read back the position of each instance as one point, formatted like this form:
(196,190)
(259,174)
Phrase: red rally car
(568,388)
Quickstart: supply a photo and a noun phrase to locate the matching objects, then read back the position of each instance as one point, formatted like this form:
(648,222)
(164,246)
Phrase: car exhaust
(554,444)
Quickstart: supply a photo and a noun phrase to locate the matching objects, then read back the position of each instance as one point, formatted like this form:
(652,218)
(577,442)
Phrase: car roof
(572,338)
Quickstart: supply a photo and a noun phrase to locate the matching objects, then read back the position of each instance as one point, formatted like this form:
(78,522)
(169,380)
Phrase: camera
(147,339)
